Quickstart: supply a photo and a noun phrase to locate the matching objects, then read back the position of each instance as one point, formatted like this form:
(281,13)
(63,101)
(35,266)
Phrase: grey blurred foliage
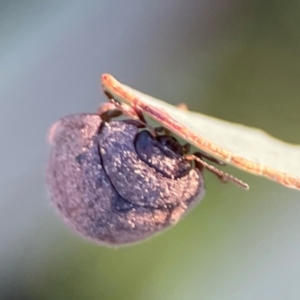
(238,60)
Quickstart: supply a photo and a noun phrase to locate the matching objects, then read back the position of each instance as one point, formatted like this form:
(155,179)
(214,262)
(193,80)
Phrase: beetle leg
(108,111)
(186,148)
(202,154)
(135,113)
(132,112)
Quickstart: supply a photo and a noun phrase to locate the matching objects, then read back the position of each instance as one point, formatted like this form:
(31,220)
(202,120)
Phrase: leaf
(247,148)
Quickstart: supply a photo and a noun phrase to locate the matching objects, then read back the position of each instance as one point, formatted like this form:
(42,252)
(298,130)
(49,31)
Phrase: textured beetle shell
(103,189)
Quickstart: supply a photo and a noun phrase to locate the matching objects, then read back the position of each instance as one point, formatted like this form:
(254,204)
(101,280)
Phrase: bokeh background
(238,60)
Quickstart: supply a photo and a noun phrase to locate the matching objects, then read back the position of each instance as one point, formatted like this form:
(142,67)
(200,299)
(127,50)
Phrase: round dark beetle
(115,183)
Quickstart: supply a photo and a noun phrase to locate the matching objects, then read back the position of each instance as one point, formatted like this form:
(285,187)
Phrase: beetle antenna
(223,176)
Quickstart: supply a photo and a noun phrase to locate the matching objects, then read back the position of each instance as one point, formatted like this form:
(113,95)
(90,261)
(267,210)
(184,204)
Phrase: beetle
(116,185)
(120,181)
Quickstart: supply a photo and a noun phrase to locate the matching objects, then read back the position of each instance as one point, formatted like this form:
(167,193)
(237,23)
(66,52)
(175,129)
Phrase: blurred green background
(237,60)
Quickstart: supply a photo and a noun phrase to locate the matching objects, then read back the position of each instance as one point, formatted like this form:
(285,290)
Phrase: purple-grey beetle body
(112,184)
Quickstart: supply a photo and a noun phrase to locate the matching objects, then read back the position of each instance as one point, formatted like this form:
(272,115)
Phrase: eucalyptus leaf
(247,148)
